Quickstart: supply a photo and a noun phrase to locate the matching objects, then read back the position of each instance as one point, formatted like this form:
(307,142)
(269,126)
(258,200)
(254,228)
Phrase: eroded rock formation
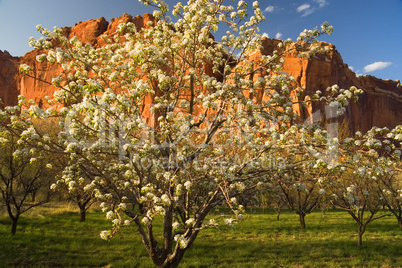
(380,105)
(9,90)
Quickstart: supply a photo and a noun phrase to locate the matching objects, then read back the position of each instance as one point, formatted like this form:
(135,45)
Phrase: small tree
(360,200)
(306,164)
(390,189)
(300,194)
(78,185)
(389,174)
(23,171)
(355,187)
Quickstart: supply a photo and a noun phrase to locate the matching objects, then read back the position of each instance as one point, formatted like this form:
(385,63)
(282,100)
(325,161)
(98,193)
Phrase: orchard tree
(23,172)
(308,159)
(390,187)
(357,187)
(299,191)
(167,119)
(80,189)
(389,177)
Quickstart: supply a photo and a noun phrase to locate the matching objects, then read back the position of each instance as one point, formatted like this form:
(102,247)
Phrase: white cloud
(278,35)
(303,7)
(321,3)
(379,65)
(351,68)
(269,9)
(308,9)
(265,35)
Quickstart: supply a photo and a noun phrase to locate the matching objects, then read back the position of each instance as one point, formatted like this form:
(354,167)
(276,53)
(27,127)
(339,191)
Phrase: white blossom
(104,235)
(321,191)
(190,222)
(187,185)
(183,242)
(175,225)
(109,215)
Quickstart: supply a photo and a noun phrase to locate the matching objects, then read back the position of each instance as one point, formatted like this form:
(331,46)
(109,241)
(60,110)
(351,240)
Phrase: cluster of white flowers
(190,222)
(109,215)
(165,200)
(187,185)
(183,242)
(104,235)
(230,222)
(321,191)
(176,225)
(300,187)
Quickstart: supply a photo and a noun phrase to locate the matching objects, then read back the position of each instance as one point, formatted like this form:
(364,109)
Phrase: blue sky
(367,33)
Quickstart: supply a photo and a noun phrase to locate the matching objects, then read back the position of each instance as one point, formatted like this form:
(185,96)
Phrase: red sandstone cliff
(87,32)
(9,90)
(380,105)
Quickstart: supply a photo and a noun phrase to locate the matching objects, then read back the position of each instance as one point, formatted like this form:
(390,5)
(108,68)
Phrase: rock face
(87,32)
(8,79)
(380,105)
(37,89)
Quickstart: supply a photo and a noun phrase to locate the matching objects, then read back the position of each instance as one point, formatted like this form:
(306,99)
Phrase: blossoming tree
(77,189)
(358,185)
(390,186)
(166,121)
(389,180)
(23,171)
(298,186)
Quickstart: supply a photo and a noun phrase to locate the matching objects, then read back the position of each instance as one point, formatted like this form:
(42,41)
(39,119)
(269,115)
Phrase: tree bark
(278,213)
(83,208)
(302,221)
(13,217)
(174,262)
(360,239)
(33,196)
(360,235)
(82,214)
(14,225)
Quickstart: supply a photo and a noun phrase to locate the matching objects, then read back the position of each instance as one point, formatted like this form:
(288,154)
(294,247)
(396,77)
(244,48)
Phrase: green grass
(53,237)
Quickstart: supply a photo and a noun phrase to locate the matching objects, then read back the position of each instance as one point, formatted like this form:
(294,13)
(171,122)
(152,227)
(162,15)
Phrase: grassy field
(53,237)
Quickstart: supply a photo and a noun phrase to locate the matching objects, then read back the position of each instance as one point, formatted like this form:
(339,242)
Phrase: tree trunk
(174,262)
(82,214)
(360,236)
(323,211)
(302,221)
(400,222)
(33,196)
(359,239)
(14,225)
(278,213)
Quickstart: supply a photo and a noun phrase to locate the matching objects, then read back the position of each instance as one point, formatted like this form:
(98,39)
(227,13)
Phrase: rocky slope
(380,105)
